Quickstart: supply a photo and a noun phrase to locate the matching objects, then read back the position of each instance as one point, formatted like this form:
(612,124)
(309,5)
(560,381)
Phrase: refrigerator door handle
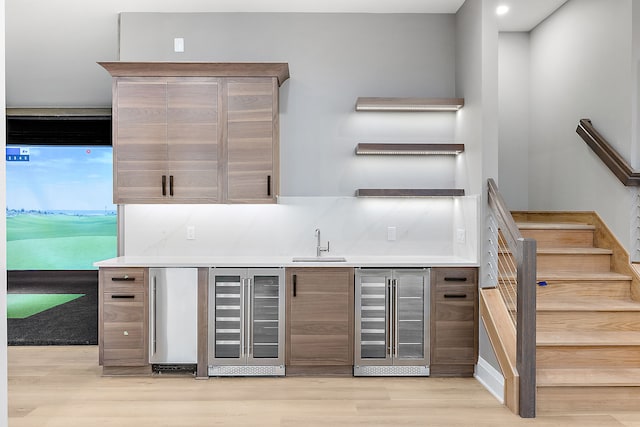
(395,318)
(249,320)
(388,319)
(242,319)
(154,307)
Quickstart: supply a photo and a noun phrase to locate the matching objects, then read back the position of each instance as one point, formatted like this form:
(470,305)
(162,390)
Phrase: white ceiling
(523,16)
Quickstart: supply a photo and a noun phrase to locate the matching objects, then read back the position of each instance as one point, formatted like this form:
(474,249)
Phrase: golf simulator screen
(60,213)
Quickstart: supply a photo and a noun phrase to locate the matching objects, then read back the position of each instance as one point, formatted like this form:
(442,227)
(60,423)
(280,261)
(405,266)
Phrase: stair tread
(573,275)
(587,338)
(581,377)
(588,303)
(554,226)
(568,251)
(577,251)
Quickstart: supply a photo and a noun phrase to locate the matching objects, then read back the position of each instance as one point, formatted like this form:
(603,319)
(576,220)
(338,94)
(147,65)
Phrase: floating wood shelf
(419,192)
(409,104)
(411,149)
(280,70)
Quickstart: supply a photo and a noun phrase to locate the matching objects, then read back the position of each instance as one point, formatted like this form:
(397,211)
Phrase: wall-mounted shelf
(409,149)
(409,104)
(418,192)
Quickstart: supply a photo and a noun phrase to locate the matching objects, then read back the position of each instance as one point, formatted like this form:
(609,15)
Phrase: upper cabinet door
(252,140)
(140,140)
(193,136)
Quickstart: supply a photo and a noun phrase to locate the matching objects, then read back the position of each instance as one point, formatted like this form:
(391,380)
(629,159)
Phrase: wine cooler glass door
(226,296)
(411,313)
(374,333)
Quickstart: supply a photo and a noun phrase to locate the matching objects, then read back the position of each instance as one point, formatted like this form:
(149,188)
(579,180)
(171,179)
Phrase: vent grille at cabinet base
(246,371)
(391,371)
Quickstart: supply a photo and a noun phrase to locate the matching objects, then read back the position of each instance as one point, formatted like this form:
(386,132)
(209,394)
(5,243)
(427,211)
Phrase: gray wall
(333,59)
(582,67)
(514,110)
(477,126)
(52,49)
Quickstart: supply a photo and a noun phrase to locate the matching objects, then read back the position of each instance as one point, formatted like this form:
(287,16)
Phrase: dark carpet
(72,323)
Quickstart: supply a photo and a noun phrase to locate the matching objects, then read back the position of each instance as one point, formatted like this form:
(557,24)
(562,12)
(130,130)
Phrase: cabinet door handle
(455,279)
(459,296)
(171,185)
(269,185)
(123,296)
(164,185)
(123,279)
(295,284)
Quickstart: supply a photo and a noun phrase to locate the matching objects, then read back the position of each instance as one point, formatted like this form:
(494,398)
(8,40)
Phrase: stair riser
(552,400)
(592,321)
(588,357)
(560,238)
(610,289)
(579,263)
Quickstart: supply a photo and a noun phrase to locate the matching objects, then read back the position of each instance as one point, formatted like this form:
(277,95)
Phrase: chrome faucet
(319,248)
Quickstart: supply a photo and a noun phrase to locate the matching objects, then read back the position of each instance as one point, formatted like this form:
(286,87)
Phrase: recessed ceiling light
(502,10)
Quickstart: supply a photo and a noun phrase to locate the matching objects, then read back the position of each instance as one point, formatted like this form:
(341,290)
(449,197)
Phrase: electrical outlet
(391,234)
(191,232)
(461,235)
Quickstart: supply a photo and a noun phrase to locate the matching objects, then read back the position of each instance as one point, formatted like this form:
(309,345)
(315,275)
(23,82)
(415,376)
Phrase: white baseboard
(490,378)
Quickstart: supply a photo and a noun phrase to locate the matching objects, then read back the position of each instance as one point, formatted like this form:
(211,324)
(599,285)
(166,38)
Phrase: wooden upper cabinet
(196,132)
(252,140)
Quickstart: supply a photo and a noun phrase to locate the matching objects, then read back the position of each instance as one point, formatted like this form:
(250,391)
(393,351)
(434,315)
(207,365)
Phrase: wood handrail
(524,252)
(609,156)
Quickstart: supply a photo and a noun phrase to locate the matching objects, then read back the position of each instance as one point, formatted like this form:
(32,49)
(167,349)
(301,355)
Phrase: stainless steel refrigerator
(246,322)
(392,322)
(173,323)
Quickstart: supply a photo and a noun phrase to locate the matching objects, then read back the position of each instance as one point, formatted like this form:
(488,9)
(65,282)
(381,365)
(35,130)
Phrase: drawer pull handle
(123,279)
(459,296)
(455,279)
(123,296)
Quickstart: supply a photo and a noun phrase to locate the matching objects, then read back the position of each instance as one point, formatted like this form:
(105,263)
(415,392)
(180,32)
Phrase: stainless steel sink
(319,259)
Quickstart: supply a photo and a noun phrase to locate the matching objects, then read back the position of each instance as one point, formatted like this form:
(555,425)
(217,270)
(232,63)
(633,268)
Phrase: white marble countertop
(285,261)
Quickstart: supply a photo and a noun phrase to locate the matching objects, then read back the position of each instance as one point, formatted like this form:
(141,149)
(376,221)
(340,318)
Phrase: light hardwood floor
(63,386)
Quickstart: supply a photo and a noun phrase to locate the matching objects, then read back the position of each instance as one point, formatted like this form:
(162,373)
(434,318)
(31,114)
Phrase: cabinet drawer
(123,307)
(455,311)
(122,279)
(455,294)
(123,335)
(454,276)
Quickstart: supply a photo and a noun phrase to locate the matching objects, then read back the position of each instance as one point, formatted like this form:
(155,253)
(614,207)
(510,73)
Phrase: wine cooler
(392,322)
(246,322)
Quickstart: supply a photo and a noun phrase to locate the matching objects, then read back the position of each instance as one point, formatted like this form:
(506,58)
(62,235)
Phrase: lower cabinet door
(319,316)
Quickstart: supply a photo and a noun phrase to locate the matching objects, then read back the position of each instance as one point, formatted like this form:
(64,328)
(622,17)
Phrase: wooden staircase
(588,325)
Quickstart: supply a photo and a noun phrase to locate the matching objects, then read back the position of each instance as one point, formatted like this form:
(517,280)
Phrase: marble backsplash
(355,227)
